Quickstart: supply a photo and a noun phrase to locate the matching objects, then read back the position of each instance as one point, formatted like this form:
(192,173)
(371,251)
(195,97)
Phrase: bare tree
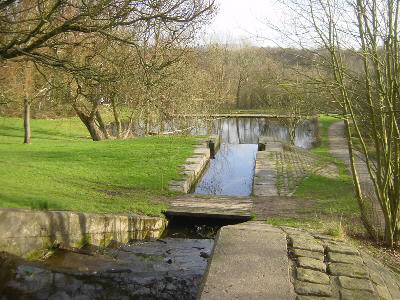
(48,32)
(367,96)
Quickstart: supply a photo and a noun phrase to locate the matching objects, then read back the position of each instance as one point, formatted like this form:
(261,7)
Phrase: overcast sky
(239,19)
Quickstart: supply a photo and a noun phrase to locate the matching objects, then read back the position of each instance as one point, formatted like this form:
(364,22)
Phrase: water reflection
(231,172)
(233,130)
(247,131)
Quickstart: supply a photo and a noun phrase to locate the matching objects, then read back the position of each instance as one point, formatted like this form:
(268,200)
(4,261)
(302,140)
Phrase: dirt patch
(284,206)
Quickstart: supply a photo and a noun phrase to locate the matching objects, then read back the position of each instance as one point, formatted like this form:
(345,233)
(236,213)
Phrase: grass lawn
(334,197)
(63,169)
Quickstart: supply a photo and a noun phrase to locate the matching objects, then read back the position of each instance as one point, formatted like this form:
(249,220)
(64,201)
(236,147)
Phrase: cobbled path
(327,268)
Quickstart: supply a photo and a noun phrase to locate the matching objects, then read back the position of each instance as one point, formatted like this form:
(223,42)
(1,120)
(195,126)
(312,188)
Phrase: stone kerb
(195,165)
(22,231)
(329,268)
(264,181)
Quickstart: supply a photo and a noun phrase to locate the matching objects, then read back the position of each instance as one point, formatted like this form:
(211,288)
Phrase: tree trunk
(102,126)
(27,121)
(90,124)
(238,91)
(116,118)
(28,86)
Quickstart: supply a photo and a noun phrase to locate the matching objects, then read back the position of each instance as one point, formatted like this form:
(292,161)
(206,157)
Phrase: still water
(231,172)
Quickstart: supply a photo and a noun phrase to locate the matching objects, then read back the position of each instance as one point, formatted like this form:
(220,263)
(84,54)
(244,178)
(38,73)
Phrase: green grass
(63,169)
(333,197)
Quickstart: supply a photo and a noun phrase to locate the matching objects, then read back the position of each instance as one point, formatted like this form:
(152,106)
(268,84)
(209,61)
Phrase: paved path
(255,260)
(338,148)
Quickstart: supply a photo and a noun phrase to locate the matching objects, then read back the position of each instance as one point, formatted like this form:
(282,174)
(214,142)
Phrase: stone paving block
(307,253)
(358,295)
(324,237)
(349,270)
(303,297)
(312,276)
(375,277)
(341,248)
(311,263)
(355,284)
(306,244)
(344,258)
(312,289)
(383,276)
(383,292)
(292,230)
(392,283)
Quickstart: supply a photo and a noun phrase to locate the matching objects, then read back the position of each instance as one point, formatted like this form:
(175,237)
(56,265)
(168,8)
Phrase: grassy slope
(333,197)
(64,169)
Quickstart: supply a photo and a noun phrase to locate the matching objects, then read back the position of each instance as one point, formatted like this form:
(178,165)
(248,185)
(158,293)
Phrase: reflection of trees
(236,130)
(217,178)
(211,183)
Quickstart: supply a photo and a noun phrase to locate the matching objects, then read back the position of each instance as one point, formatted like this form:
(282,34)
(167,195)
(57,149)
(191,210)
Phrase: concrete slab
(211,206)
(249,261)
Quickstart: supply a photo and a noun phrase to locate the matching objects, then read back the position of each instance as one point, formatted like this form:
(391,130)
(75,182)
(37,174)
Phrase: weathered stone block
(341,248)
(344,258)
(355,283)
(383,292)
(312,289)
(312,276)
(307,253)
(355,271)
(303,297)
(353,294)
(311,263)
(306,244)
(375,277)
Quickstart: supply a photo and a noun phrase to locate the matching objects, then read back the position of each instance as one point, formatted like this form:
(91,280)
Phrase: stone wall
(22,231)
(195,165)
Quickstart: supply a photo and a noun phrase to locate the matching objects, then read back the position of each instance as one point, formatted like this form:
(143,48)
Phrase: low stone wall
(195,165)
(22,231)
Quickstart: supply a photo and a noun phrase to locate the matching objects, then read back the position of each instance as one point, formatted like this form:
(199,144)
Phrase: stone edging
(326,267)
(195,165)
(23,231)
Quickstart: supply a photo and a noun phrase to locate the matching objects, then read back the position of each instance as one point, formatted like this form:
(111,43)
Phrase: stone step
(249,261)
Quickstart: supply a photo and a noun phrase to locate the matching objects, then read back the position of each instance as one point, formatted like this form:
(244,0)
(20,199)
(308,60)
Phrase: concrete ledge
(249,261)
(195,165)
(22,231)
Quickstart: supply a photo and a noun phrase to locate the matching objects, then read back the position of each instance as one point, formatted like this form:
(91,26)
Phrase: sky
(245,20)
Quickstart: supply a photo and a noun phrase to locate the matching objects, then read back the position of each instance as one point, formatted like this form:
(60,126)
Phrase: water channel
(231,172)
